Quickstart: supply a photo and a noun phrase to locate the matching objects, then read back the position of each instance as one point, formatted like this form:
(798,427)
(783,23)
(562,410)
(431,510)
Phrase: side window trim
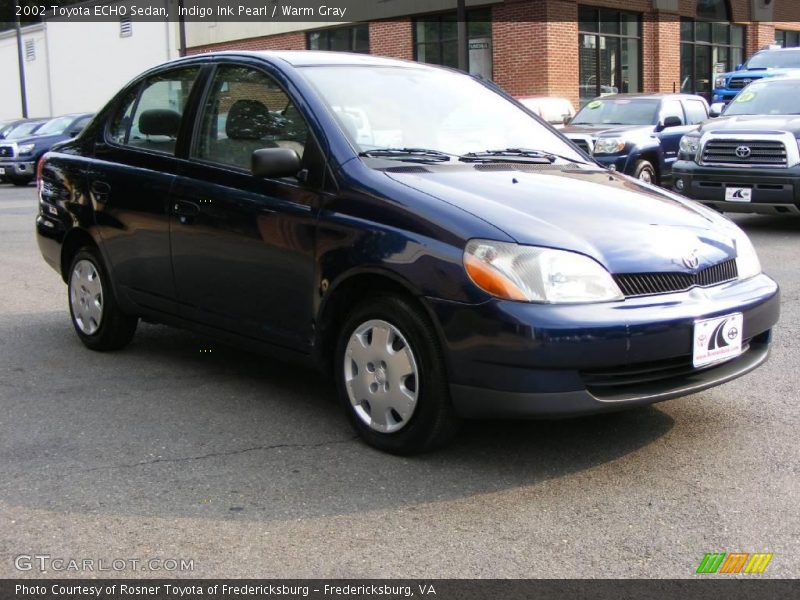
(107,137)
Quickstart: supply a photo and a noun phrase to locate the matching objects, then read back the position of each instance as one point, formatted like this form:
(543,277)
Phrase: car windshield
(23,130)
(55,126)
(762,98)
(425,108)
(618,111)
(783,59)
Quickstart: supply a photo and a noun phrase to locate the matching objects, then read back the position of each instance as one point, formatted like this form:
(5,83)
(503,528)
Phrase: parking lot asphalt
(180,448)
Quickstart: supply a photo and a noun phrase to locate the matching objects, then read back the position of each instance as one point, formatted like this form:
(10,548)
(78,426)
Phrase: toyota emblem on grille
(746,81)
(743,151)
(691,260)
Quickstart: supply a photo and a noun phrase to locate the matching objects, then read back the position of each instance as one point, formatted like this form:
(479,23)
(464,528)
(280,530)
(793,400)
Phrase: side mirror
(671,121)
(716,109)
(275,163)
(566,119)
(739,66)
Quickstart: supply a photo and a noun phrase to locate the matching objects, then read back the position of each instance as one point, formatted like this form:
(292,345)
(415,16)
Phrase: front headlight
(534,274)
(687,147)
(26,148)
(747,263)
(719,82)
(610,145)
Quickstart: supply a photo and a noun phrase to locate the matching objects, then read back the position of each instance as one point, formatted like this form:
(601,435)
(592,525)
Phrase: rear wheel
(645,172)
(391,377)
(96,317)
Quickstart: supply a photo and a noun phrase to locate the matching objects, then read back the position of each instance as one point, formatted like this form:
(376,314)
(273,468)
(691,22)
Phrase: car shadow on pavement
(179,426)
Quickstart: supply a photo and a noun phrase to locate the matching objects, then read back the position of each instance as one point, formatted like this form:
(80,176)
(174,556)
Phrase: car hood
(627,226)
(607,130)
(753,123)
(41,141)
(758,73)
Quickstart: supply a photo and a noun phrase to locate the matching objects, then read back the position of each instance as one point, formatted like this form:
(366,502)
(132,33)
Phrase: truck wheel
(645,172)
(21,182)
(391,377)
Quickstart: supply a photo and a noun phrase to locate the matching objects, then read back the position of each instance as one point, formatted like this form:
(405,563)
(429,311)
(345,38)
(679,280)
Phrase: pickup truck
(20,155)
(772,62)
(748,159)
(638,134)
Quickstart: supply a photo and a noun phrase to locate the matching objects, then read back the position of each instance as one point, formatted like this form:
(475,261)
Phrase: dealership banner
(306,11)
(439,589)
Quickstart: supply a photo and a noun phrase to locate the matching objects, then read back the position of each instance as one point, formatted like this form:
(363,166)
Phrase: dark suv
(637,133)
(19,155)
(416,233)
(748,159)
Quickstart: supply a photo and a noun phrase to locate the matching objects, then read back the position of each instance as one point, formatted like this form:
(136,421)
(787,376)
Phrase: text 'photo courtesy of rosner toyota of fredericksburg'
(454,299)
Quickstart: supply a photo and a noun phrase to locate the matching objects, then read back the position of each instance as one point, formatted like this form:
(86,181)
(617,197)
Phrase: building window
(609,52)
(125,27)
(787,39)
(340,39)
(30,50)
(709,47)
(436,41)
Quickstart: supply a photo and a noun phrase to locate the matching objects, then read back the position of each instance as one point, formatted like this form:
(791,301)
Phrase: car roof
(308,58)
(649,97)
(778,50)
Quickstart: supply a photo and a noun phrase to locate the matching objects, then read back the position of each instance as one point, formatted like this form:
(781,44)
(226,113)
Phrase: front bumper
(723,95)
(17,168)
(621,162)
(512,359)
(774,190)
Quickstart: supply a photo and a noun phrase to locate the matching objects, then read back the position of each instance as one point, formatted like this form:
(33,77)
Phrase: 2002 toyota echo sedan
(443,252)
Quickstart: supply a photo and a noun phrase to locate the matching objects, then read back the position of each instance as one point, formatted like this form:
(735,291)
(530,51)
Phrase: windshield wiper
(515,153)
(407,154)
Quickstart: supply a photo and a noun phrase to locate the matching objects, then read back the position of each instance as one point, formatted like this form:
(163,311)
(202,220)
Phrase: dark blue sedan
(411,230)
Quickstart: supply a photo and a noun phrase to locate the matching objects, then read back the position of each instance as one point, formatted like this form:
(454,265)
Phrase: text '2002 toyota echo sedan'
(412,230)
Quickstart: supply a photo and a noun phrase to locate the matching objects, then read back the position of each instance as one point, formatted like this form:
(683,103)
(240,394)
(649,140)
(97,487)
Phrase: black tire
(21,182)
(645,171)
(433,421)
(115,329)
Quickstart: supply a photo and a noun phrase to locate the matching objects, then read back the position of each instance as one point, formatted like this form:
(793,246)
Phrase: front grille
(745,152)
(737,83)
(583,144)
(645,284)
(6,151)
(603,381)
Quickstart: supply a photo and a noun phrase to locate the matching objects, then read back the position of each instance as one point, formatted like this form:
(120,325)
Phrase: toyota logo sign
(743,151)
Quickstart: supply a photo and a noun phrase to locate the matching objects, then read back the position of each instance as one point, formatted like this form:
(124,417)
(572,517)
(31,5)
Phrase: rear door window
(695,111)
(150,116)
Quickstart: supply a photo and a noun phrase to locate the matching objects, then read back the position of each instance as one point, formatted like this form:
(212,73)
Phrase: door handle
(186,211)
(100,191)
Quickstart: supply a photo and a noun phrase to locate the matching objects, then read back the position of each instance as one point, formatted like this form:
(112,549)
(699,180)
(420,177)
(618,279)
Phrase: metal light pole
(181,29)
(463,50)
(21,58)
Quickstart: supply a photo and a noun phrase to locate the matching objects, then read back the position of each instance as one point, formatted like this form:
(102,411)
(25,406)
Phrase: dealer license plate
(717,339)
(738,194)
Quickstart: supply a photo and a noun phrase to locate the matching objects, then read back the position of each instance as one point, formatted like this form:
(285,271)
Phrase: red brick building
(573,48)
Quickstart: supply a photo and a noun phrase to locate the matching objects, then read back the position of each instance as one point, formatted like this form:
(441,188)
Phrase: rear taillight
(39,167)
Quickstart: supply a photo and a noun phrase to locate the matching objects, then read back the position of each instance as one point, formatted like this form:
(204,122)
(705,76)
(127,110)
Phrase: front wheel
(20,181)
(96,317)
(391,377)
(645,172)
